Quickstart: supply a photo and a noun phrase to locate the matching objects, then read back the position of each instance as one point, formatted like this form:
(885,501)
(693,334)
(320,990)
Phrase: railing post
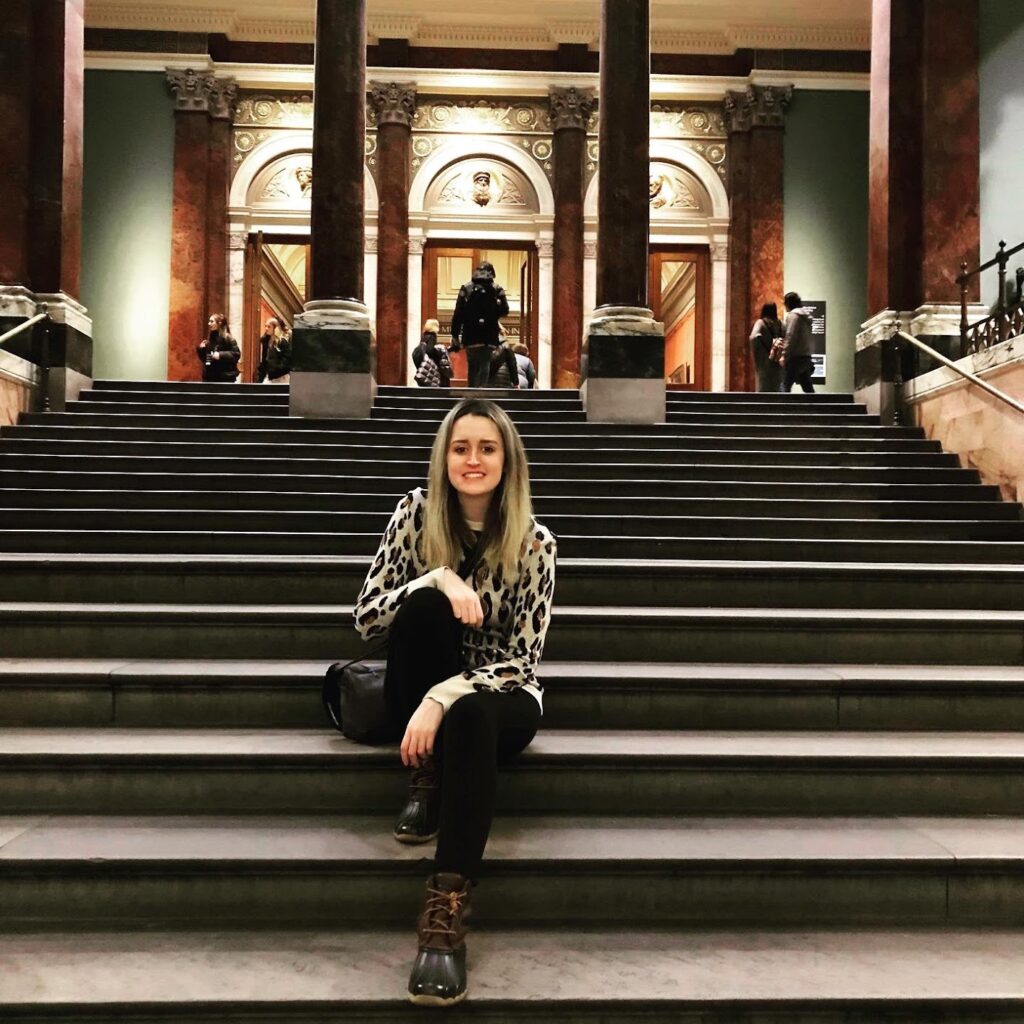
(44,359)
(1001,306)
(897,382)
(964,288)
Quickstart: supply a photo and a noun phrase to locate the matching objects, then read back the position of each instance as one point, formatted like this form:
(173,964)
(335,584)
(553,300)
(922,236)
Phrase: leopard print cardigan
(504,652)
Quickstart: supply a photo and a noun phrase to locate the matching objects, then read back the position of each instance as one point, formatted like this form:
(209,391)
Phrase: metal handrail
(4,338)
(973,378)
(44,350)
(997,326)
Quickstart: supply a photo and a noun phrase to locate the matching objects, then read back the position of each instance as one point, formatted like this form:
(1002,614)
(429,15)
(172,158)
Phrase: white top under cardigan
(504,652)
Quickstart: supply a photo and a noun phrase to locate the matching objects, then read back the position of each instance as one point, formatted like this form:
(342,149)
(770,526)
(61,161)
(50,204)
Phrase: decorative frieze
(483,116)
(393,102)
(571,108)
(761,106)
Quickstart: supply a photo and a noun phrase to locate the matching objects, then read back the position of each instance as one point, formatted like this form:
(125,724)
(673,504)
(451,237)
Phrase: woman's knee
(425,608)
(472,714)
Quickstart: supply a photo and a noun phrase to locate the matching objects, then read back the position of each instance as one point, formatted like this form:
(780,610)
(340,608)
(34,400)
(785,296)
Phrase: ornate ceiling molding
(533,30)
(165,17)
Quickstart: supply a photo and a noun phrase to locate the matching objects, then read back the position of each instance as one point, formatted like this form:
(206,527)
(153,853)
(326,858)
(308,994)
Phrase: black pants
(424,648)
(478,358)
(798,370)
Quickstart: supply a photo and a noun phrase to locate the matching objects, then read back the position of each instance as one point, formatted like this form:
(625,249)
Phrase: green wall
(826,196)
(126,221)
(1002,131)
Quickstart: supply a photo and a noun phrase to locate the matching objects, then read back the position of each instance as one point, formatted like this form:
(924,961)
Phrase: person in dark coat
(479,308)
(766,331)
(797,364)
(219,352)
(504,368)
(275,354)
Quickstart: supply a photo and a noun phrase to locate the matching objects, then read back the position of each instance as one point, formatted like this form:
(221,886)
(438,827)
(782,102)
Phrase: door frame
(436,247)
(702,285)
(252,321)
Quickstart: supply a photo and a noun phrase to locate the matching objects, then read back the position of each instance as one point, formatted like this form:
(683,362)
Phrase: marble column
(414,317)
(755,120)
(189,222)
(623,365)
(218,173)
(334,354)
(395,106)
(570,112)
(924,191)
(41,108)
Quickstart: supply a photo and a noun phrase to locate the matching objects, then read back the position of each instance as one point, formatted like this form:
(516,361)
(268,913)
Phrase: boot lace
(442,910)
(424,777)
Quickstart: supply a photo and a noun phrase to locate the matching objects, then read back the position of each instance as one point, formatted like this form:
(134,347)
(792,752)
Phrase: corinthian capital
(761,106)
(571,108)
(191,89)
(223,98)
(393,102)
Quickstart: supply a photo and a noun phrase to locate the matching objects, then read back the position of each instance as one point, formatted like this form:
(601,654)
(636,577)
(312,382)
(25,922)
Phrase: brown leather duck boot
(439,974)
(418,820)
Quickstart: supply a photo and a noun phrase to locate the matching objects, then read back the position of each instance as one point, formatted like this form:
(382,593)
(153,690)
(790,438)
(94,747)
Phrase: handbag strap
(364,657)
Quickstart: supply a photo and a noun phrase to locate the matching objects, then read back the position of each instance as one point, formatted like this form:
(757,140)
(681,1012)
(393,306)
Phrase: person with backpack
(480,306)
(504,367)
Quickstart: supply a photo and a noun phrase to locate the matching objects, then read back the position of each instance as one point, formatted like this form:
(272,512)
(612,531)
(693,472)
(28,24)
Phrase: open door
(276,284)
(446,267)
(679,282)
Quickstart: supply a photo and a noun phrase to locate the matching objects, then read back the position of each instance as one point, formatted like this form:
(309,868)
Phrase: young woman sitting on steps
(462,585)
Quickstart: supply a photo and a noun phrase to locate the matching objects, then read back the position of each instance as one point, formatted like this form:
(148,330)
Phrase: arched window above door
(479,186)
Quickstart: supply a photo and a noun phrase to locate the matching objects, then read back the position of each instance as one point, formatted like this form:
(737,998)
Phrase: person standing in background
(766,331)
(219,352)
(478,309)
(797,364)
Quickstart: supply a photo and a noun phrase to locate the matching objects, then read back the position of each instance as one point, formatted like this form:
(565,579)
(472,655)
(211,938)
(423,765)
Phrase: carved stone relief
(483,185)
(571,108)
(393,102)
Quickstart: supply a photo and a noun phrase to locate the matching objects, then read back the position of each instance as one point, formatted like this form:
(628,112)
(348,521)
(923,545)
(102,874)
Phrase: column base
(623,366)
(334,361)
(69,343)
(876,362)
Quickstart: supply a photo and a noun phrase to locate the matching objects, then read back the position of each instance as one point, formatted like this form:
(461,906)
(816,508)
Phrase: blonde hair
(510,513)
(431,325)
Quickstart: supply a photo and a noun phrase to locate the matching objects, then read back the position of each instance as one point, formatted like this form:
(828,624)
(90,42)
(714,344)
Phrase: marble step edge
(267,563)
(603,615)
(628,845)
(793,750)
(558,975)
(632,507)
(557,675)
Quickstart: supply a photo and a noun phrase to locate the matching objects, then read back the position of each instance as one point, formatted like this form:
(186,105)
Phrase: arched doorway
(476,199)
(269,211)
(689,225)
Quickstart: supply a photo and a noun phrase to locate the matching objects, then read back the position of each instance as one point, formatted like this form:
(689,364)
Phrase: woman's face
(213,323)
(476,456)
(268,327)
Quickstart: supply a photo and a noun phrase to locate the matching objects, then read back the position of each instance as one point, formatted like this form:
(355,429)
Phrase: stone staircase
(780,777)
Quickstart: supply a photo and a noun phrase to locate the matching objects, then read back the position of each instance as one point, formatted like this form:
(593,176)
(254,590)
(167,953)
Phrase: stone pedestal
(334,360)
(623,365)
(876,361)
(755,121)
(64,345)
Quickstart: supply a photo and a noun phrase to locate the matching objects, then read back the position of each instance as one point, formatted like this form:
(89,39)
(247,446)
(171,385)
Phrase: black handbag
(353,697)
(353,692)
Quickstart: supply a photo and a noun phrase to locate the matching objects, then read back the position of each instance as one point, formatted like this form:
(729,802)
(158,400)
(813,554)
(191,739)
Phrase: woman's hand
(418,741)
(465,603)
